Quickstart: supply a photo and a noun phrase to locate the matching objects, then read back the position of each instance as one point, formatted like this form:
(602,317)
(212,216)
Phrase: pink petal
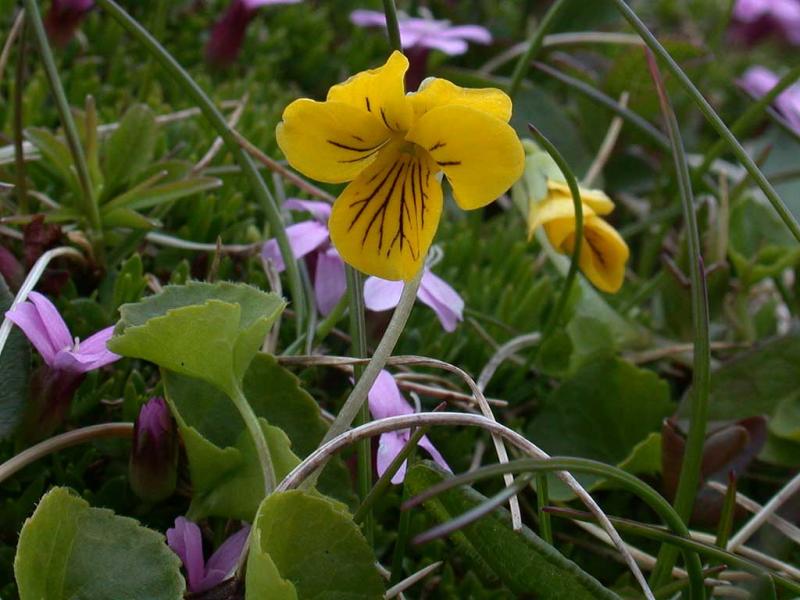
(223,562)
(748,11)
(381,294)
(186,541)
(758,80)
(319,210)
(59,334)
(254,4)
(303,238)
(330,283)
(385,399)
(443,299)
(448,46)
(26,317)
(435,454)
(471,33)
(91,354)
(368,18)
(389,445)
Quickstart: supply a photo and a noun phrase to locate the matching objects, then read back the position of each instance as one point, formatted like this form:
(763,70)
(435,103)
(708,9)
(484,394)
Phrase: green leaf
(754,382)
(306,546)
(524,562)
(130,283)
(15,368)
(147,197)
(69,550)
(56,155)
(127,218)
(222,463)
(130,148)
(603,413)
(208,331)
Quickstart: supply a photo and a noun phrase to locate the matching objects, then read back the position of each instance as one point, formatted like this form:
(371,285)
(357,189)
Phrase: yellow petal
(558,208)
(603,253)
(439,92)
(329,141)
(385,220)
(480,154)
(380,92)
(597,199)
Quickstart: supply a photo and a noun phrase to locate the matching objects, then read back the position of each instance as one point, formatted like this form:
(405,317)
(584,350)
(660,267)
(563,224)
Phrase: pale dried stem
(161,239)
(763,515)
(561,39)
(763,559)
(321,455)
(402,586)
(218,142)
(785,527)
(277,167)
(607,147)
(62,441)
(505,352)
(9,43)
(30,282)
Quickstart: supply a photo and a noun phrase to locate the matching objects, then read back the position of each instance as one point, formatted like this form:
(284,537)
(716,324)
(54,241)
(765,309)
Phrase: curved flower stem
(711,116)
(693,457)
(392,25)
(572,182)
(90,209)
(257,434)
(62,441)
(358,343)
(215,118)
(385,347)
(750,117)
(534,45)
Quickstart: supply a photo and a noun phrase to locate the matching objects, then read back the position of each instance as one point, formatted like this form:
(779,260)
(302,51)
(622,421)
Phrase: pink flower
(228,32)
(427,33)
(381,294)
(385,400)
(758,80)
(46,330)
(311,238)
(419,36)
(186,541)
(64,17)
(153,464)
(755,19)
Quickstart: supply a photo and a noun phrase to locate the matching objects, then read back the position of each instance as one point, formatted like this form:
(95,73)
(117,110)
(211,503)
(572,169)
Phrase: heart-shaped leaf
(307,546)
(69,550)
(208,331)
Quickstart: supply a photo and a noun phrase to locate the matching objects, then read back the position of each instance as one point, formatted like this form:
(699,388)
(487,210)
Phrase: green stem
(749,118)
(19,155)
(90,210)
(358,344)
(534,45)
(326,325)
(711,116)
(572,274)
(386,479)
(392,25)
(701,379)
(194,92)
(382,353)
(403,527)
(257,434)
(542,500)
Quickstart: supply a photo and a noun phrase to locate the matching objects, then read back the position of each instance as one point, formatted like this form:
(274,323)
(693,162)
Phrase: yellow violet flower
(391,146)
(603,252)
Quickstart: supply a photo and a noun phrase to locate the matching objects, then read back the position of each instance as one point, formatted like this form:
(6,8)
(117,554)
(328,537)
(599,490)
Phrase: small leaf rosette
(391,147)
